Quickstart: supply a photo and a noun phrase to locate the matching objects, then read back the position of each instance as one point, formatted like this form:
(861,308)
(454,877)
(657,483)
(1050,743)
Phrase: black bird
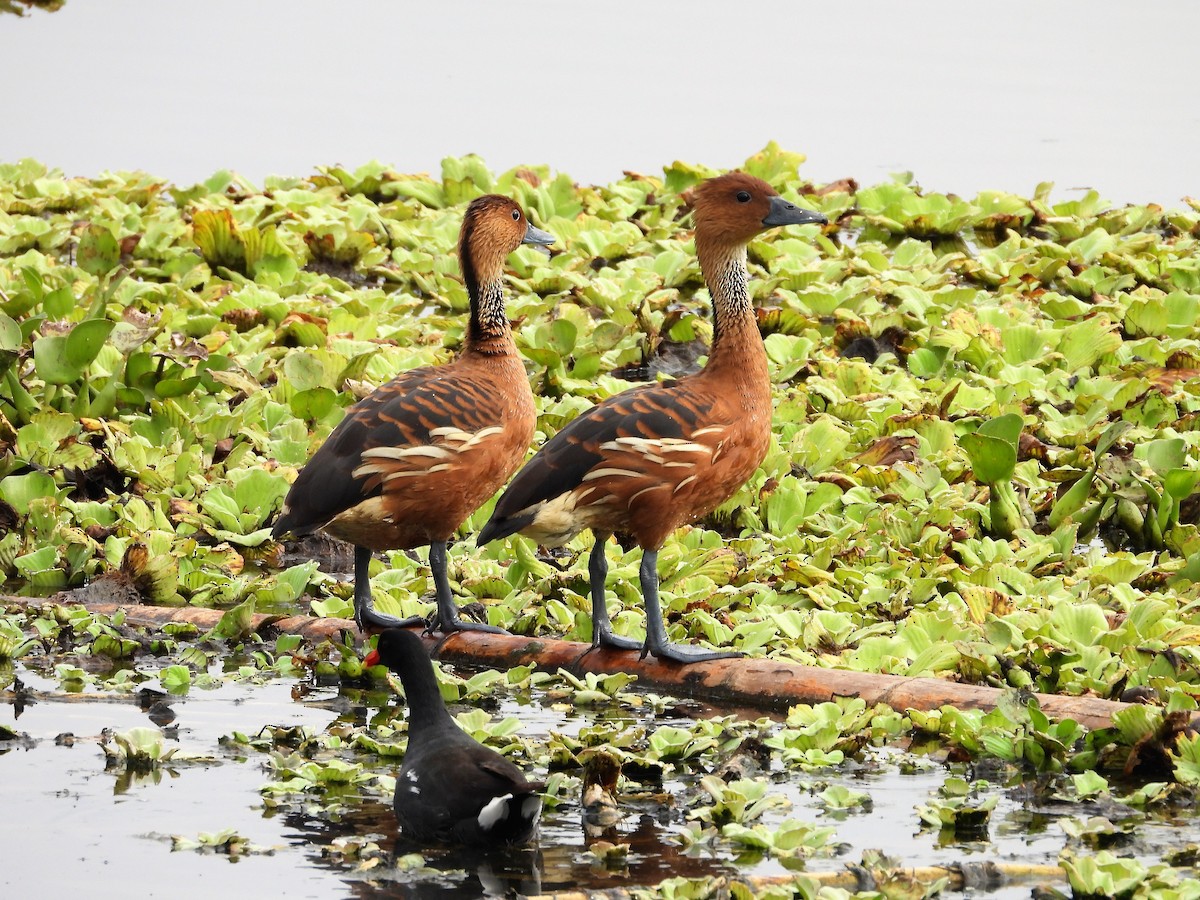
(451,789)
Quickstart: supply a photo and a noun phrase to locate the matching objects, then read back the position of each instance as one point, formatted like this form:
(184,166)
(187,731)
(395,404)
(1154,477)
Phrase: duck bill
(784,212)
(538,238)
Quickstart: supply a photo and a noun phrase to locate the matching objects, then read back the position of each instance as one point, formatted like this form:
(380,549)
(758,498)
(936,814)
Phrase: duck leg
(369,621)
(446,618)
(657,644)
(602,634)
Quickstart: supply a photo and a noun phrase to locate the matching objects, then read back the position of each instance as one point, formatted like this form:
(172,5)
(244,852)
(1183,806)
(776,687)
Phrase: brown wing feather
(416,422)
(642,462)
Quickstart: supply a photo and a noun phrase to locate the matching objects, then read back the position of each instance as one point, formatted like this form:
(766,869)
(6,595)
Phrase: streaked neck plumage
(737,345)
(488,332)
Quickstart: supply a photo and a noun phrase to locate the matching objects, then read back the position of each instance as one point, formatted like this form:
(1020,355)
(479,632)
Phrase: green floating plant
(1103,875)
(139,749)
(992,450)
(226,841)
(960,808)
(738,801)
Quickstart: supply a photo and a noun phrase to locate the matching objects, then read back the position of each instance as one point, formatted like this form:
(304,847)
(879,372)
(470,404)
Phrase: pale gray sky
(1096,93)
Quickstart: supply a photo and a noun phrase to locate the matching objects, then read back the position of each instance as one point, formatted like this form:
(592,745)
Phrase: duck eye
(743,196)
(516,214)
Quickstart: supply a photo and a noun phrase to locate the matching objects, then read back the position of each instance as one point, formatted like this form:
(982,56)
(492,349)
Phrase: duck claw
(685,653)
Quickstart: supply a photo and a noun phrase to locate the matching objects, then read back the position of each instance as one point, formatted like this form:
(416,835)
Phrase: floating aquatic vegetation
(961,808)
(996,484)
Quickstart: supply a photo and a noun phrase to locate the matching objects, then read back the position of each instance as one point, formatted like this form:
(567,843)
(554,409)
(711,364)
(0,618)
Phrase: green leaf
(61,359)
(236,623)
(1085,342)
(304,371)
(1186,759)
(1006,427)
(925,362)
(59,304)
(1166,454)
(50,360)
(993,459)
(10,334)
(98,251)
(175,678)
(20,490)
(313,404)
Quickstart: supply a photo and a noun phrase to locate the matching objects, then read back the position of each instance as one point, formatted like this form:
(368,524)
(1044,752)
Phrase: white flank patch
(531,807)
(557,521)
(494,811)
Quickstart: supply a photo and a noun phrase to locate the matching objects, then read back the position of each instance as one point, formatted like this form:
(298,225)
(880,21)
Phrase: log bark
(757,682)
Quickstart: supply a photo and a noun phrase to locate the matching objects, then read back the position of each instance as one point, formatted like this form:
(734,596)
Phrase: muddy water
(969,97)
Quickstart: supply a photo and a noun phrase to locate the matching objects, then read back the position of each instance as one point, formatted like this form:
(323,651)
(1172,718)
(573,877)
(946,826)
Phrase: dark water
(87,831)
(1093,93)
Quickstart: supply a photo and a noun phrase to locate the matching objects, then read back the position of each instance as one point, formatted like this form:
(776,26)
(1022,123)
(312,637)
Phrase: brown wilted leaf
(528,176)
(129,243)
(291,317)
(984,600)
(8,518)
(179,510)
(243,319)
(888,451)
(1029,447)
(850,330)
(188,348)
(136,557)
(844,482)
(841,186)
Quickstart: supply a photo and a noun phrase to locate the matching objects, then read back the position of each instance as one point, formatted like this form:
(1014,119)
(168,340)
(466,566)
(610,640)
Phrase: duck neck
(487,331)
(426,708)
(737,345)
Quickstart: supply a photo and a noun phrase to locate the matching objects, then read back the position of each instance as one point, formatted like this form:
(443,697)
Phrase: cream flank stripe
(454,441)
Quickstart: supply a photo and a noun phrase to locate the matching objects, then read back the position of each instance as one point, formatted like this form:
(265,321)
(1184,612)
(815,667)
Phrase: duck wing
(647,413)
(421,419)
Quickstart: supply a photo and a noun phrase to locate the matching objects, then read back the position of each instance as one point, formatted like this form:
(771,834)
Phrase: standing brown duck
(412,460)
(653,458)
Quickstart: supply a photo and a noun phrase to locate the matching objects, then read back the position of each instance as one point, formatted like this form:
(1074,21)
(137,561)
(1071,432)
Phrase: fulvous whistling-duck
(451,788)
(653,458)
(412,460)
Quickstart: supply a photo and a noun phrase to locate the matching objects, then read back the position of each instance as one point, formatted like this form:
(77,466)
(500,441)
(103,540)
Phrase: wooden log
(758,682)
